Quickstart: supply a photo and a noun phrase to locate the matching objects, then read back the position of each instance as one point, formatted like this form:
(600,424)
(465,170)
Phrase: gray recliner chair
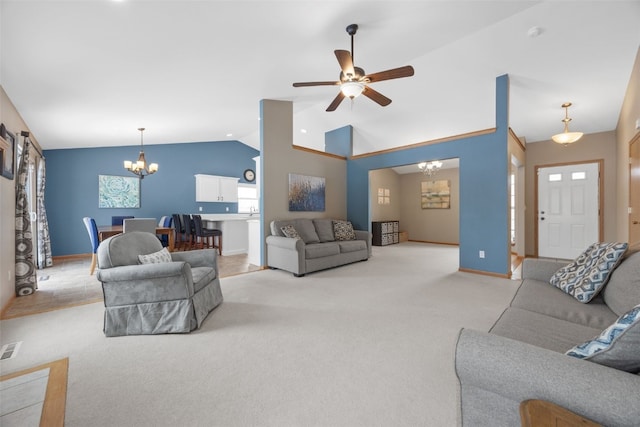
(165,297)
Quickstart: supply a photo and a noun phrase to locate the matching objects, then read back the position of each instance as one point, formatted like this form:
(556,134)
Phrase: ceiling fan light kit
(354,81)
(352,89)
(565,138)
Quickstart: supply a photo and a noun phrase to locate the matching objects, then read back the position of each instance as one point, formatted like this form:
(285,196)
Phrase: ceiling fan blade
(376,96)
(303,84)
(395,73)
(337,100)
(345,61)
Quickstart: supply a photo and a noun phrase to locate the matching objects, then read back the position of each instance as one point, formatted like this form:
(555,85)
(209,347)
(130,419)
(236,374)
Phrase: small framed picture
(7,146)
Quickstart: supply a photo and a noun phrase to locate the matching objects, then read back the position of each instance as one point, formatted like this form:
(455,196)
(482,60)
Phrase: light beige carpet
(368,344)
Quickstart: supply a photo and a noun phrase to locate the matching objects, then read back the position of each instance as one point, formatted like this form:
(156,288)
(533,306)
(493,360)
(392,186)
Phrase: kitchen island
(235,231)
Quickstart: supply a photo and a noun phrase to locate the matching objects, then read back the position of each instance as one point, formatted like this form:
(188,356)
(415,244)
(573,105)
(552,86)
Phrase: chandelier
(140,167)
(430,168)
(566,137)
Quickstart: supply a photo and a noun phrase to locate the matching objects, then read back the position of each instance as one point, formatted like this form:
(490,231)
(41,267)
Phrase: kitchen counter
(228,217)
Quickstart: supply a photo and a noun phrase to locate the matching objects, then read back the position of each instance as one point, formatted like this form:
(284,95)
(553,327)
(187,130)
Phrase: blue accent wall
(339,141)
(483,187)
(72,184)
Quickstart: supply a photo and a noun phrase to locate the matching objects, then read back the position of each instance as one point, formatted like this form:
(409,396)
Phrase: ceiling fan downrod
(351,30)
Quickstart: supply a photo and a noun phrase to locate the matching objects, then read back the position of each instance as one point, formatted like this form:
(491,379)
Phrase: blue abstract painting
(306,193)
(118,191)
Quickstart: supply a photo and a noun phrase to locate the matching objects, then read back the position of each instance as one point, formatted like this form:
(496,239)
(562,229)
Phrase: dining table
(106,231)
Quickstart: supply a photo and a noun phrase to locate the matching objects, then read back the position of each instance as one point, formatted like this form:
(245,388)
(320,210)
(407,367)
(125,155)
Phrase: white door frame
(600,163)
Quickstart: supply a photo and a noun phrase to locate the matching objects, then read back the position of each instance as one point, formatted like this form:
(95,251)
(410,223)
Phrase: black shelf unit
(385,232)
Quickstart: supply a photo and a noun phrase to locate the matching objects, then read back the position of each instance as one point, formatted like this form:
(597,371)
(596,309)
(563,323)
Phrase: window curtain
(26,282)
(44,240)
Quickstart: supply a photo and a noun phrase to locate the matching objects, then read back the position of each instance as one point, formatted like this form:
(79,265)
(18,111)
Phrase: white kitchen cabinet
(213,188)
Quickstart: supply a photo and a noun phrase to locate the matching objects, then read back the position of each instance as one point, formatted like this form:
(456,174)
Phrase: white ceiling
(89,73)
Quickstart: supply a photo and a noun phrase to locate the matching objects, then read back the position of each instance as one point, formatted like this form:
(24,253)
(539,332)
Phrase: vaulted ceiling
(89,73)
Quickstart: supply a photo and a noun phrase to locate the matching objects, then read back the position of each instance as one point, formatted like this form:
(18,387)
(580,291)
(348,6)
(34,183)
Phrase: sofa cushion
(587,275)
(352,246)
(540,297)
(321,250)
(343,230)
(290,231)
(303,226)
(202,276)
(618,346)
(324,228)
(540,330)
(162,255)
(622,292)
(306,230)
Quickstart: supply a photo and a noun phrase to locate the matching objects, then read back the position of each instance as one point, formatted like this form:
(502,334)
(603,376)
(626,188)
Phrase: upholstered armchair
(173,293)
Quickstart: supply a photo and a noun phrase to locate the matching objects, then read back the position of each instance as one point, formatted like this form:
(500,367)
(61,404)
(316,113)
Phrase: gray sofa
(317,247)
(522,357)
(174,296)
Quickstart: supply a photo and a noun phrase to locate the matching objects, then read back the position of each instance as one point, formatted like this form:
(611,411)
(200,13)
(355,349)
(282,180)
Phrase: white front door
(568,213)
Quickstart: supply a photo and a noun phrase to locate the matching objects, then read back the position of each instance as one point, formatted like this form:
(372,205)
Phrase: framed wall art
(8,148)
(118,191)
(435,194)
(306,193)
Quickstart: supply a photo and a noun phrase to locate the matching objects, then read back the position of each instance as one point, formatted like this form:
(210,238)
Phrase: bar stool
(206,234)
(179,230)
(188,231)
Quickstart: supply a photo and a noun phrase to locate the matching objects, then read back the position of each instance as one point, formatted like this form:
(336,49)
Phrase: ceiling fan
(354,81)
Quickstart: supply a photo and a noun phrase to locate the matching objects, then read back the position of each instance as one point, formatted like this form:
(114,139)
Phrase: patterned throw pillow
(617,346)
(585,277)
(290,231)
(343,230)
(156,257)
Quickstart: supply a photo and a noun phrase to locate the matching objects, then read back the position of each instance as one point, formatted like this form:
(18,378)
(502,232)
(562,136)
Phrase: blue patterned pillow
(585,277)
(618,346)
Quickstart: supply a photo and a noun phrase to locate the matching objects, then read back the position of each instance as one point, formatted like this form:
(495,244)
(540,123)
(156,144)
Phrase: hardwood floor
(68,283)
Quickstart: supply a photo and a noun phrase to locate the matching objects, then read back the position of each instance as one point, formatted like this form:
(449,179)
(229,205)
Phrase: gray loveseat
(522,357)
(316,249)
(174,296)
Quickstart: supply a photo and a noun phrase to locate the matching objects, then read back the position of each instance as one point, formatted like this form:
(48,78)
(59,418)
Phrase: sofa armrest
(366,236)
(498,373)
(134,284)
(198,258)
(540,269)
(285,242)
(286,253)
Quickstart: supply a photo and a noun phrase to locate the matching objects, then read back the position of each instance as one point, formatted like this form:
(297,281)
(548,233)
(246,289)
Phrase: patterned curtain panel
(44,241)
(26,282)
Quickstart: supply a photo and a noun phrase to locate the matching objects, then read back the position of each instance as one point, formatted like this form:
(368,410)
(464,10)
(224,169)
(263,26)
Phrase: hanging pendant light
(566,137)
(140,167)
